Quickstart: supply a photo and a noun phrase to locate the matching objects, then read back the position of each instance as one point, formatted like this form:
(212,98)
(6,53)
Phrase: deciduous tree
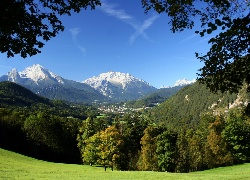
(227,62)
(167,151)
(26,24)
(109,148)
(149,161)
(217,153)
(237,135)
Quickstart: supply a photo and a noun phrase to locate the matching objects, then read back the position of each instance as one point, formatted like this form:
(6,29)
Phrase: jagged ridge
(120,86)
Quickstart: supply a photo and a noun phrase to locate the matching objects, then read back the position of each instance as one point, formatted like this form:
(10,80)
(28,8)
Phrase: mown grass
(16,166)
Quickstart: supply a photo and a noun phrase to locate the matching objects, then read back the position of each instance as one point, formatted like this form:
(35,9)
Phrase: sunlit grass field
(16,166)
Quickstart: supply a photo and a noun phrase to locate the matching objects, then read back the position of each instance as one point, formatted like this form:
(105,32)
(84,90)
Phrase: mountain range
(110,86)
(45,83)
(121,86)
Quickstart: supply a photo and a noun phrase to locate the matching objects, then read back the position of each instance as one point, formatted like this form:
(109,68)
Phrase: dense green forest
(193,130)
(187,106)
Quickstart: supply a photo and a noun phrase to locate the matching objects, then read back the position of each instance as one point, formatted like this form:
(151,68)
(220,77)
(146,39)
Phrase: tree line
(134,141)
(137,144)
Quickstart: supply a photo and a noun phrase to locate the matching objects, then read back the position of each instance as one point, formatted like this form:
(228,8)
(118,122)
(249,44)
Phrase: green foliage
(56,133)
(236,133)
(217,153)
(90,154)
(183,156)
(26,24)
(226,64)
(159,96)
(86,130)
(131,127)
(12,94)
(187,105)
(43,129)
(102,148)
(36,126)
(196,143)
(166,151)
(211,13)
(111,141)
(188,132)
(149,160)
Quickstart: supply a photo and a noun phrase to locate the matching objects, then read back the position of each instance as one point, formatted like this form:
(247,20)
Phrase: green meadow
(16,166)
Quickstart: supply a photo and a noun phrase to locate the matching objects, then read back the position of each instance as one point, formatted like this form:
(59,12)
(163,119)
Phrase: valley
(184,128)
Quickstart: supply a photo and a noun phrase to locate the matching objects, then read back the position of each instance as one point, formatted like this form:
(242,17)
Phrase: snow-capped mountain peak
(118,84)
(115,78)
(183,82)
(13,75)
(38,73)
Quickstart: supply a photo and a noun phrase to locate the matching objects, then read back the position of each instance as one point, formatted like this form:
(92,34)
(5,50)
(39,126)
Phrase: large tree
(226,64)
(26,24)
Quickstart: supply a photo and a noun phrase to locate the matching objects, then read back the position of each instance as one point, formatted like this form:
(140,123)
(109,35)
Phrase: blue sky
(118,36)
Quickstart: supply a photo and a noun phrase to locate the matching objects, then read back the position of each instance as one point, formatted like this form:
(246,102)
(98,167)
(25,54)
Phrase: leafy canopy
(226,64)
(25,24)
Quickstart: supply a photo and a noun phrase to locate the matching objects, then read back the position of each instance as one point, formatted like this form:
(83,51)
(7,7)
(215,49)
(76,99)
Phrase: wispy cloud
(74,33)
(83,50)
(60,44)
(188,38)
(141,29)
(120,14)
(193,36)
(205,40)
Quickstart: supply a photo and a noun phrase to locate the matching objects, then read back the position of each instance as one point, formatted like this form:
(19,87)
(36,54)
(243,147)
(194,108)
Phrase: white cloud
(141,29)
(205,40)
(74,33)
(83,50)
(120,14)
(188,38)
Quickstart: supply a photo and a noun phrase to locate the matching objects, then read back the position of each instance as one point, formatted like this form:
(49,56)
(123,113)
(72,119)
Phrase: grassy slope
(16,166)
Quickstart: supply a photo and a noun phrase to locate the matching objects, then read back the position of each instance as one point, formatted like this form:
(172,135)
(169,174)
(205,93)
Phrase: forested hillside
(39,127)
(187,105)
(16,95)
(154,98)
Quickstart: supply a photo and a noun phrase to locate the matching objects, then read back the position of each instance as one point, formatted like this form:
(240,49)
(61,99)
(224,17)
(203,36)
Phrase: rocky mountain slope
(120,86)
(45,83)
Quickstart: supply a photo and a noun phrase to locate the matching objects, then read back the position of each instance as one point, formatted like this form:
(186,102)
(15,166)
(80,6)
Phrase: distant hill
(12,94)
(17,96)
(156,97)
